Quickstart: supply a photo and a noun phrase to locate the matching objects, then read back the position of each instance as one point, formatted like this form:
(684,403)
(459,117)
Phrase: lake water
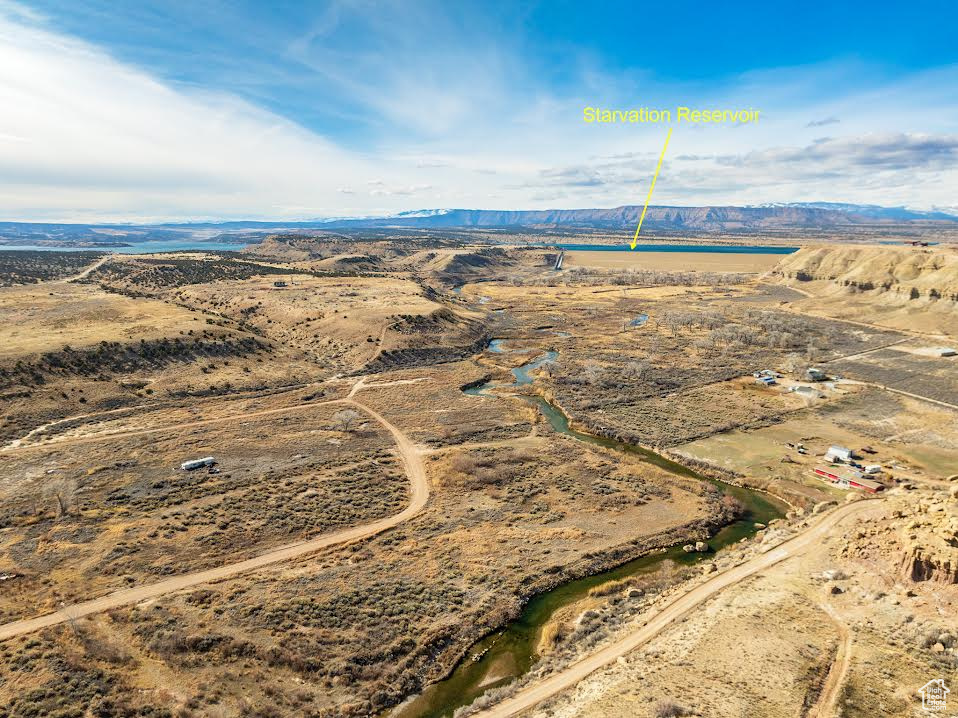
(701,248)
(177,245)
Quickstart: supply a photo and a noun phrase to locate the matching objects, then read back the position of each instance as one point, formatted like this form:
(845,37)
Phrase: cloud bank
(87,137)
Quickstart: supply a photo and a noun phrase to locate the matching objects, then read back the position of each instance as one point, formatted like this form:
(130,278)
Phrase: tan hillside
(914,289)
(932,272)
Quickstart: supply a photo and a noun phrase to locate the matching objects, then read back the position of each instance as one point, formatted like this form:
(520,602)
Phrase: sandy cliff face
(907,273)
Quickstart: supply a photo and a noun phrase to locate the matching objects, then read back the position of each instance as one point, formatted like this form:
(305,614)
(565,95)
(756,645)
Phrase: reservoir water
(173,245)
(702,248)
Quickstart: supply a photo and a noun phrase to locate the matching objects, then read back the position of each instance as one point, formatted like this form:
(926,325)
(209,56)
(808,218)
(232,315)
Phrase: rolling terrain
(447,474)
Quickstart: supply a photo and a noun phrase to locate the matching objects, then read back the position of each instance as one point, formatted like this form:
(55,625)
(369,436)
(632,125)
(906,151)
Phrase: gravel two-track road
(419,495)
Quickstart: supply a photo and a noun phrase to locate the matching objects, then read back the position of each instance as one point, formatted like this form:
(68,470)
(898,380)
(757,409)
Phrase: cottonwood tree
(592,373)
(793,363)
(813,353)
(346,419)
(635,369)
(63,493)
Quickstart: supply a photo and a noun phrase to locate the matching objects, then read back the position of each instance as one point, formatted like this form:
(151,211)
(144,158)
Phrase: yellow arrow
(638,229)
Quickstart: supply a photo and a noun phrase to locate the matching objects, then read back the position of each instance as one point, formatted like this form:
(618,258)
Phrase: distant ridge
(794,216)
(677,218)
(822,215)
(705,219)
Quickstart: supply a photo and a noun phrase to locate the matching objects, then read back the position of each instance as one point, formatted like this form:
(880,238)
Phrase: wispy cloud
(823,122)
(849,155)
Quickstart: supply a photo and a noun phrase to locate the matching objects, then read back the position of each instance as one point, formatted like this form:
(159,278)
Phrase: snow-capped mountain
(874,211)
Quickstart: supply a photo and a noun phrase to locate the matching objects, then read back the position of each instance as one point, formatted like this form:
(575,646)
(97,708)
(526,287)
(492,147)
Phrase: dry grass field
(44,318)
(911,439)
(673,261)
(344,322)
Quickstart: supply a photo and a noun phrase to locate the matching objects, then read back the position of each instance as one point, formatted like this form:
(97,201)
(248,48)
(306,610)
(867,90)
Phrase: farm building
(197,463)
(847,480)
(839,454)
(944,352)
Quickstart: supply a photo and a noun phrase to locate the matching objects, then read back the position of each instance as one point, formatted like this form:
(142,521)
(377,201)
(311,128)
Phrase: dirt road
(86,272)
(19,445)
(910,395)
(670,613)
(828,698)
(419,495)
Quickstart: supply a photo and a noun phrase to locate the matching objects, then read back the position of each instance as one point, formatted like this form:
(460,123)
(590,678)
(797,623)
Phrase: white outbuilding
(839,454)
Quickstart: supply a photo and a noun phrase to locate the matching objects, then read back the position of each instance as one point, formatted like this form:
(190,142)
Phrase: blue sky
(176,110)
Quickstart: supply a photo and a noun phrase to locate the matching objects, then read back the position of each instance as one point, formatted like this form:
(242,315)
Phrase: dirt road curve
(419,494)
(673,611)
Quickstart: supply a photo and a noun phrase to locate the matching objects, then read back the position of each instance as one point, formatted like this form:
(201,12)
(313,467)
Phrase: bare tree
(63,492)
(793,363)
(592,373)
(635,369)
(812,352)
(346,419)
(671,321)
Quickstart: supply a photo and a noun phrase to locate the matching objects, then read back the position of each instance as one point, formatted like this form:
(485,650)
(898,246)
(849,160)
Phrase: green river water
(508,653)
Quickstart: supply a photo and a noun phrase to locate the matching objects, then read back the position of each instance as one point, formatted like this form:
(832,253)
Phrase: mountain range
(821,216)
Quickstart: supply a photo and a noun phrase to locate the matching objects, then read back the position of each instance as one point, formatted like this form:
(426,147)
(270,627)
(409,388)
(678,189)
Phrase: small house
(280,284)
(766,380)
(872,469)
(815,374)
(839,454)
(197,463)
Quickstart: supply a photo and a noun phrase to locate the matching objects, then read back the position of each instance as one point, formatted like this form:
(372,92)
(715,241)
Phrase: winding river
(508,653)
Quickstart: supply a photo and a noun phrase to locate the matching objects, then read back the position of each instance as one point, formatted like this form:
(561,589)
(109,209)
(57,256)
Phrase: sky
(198,110)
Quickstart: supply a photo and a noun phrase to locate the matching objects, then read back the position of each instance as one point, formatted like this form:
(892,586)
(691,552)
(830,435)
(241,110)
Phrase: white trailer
(197,463)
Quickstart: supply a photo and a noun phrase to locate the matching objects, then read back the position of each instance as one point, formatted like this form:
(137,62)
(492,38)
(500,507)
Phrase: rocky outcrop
(919,565)
(904,273)
(930,543)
